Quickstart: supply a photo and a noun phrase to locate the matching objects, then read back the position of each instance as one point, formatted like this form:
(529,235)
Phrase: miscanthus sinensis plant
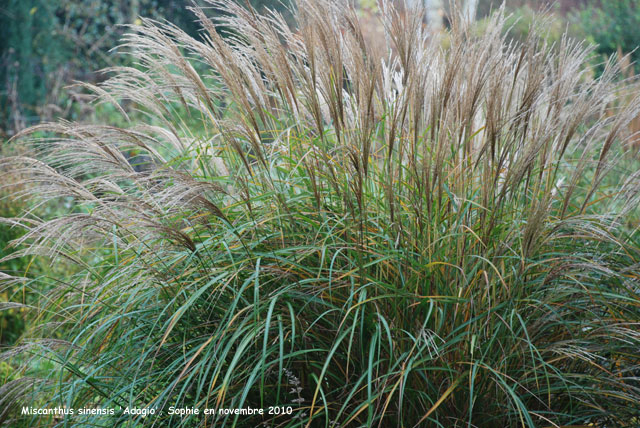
(415,233)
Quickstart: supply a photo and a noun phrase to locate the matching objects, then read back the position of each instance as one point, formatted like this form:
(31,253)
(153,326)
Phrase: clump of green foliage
(389,235)
(612,25)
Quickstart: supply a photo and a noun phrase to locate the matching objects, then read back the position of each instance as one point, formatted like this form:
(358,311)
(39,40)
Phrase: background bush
(47,45)
(611,26)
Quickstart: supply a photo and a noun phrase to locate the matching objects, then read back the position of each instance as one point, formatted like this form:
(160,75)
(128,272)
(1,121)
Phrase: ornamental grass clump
(421,233)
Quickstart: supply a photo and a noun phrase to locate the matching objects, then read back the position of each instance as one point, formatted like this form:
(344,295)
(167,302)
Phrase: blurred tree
(435,14)
(45,45)
(25,58)
(612,25)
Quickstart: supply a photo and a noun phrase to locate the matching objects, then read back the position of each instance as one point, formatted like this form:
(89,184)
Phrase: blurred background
(47,45)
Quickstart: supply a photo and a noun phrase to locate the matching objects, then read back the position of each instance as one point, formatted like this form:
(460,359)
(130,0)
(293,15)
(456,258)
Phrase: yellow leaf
(441,399)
